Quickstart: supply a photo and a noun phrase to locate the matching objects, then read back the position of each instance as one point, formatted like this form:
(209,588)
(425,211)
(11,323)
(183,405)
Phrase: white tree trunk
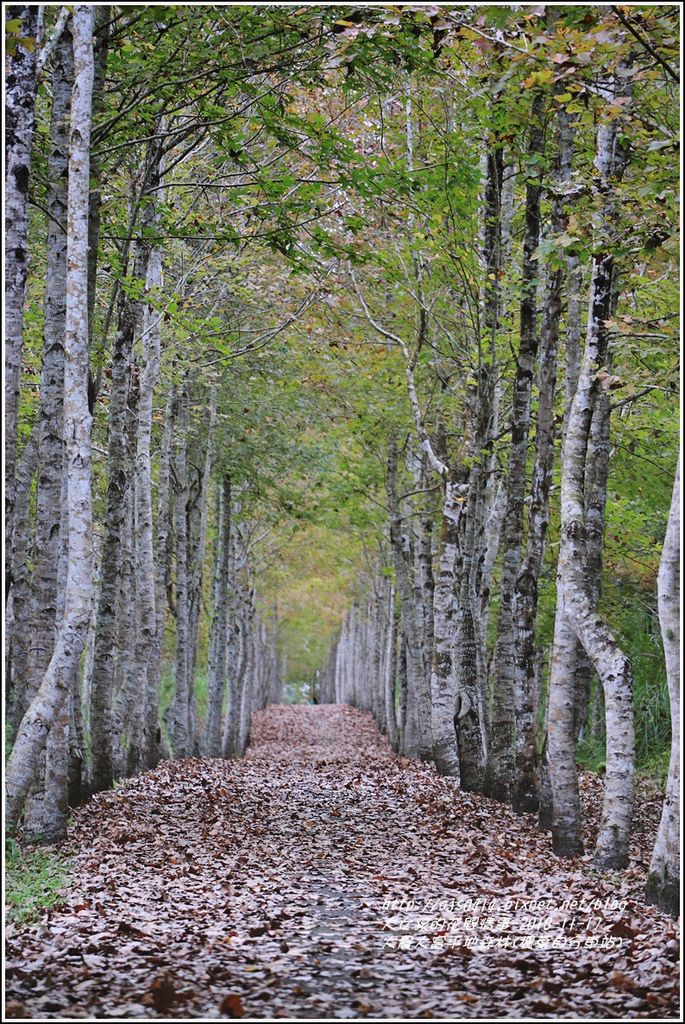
(146,619)
(179,725)
(55,688)
(443,673)
(663,884)
(162,562)
(49,538)
(575,604)
(525,600)
(216,682)
(500,766)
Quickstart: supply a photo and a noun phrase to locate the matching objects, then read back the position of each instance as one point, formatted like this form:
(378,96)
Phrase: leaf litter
(279,885)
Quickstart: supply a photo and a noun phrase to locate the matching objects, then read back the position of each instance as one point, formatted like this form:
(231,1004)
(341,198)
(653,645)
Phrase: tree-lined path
(260,887)
(342,355)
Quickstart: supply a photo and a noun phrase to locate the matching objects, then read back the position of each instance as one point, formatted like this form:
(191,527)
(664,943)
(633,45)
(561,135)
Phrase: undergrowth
(34,879)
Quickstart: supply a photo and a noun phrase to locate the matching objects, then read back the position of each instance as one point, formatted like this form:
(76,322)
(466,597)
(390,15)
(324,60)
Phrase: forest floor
(263,888)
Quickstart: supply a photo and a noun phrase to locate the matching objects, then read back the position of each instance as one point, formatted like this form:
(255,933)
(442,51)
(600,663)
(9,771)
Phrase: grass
(655,767)
(591,756)
(34,880)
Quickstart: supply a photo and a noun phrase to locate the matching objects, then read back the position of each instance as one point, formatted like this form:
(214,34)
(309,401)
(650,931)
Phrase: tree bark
(19,600)
(20,101)
(53,695)
(443,673)
(663,883)
(197,543)
(48,516)
(162,561)
(236,672)
(416,734)
(500,766)
(574,600)
(105,653)
(179,724)
(389,671)
(145,742)
(482,416)
(219,628)
(525,597)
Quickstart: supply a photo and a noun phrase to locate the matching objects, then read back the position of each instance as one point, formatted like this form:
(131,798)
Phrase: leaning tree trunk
(43,617)
(575,612)
(54,692)
(20,100)
(576,616)
(595,496)
(663,884)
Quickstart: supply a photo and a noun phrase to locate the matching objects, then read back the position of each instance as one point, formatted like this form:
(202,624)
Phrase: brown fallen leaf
(15,1010)
(232,1006)
(163,993)
(387,829)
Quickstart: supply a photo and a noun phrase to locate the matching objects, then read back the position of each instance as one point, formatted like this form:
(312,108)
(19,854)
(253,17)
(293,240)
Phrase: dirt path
(260,888)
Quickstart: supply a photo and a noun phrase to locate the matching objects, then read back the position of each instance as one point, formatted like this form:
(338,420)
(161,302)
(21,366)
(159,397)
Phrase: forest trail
(258,888)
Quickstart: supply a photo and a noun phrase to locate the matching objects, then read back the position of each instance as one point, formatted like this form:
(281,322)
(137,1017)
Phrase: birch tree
(54,691)
(105,654)
(219,629)
(500,765)
(663,883)
(525,596)
(20,100)
(575,605)
(144,744)
(179,713)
